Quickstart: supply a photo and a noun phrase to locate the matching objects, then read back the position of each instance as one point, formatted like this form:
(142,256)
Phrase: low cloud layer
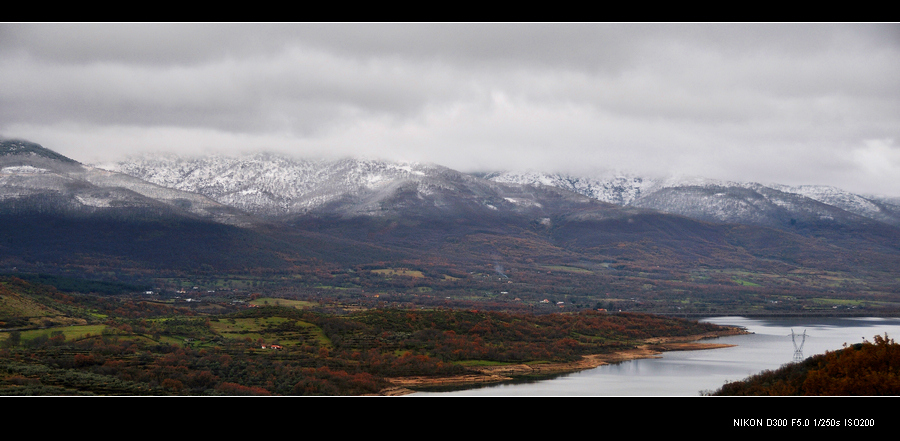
(786,103)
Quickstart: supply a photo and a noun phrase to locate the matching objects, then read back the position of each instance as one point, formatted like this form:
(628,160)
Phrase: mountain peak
(11,147)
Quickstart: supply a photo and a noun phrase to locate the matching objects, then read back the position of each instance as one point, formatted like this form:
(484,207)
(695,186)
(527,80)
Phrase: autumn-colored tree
(861,369)
(229,388)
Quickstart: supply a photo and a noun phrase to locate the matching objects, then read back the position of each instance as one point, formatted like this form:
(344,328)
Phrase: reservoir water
(773,343)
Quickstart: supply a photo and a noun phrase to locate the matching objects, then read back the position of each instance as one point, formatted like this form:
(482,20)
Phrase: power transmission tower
(798,349)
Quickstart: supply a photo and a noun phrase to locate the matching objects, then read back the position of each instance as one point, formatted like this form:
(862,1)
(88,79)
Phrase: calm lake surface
(687,373)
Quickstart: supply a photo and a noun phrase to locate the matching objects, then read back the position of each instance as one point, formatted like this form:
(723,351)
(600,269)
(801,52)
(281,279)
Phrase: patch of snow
(23,169)
(92,201)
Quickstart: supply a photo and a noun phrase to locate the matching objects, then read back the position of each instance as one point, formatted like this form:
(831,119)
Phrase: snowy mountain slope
(35,175)
(619,189)
(720,201)
(873,207)
(264,183)
(272,185)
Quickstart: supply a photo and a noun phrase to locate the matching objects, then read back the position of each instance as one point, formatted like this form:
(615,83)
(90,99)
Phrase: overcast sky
(785,103)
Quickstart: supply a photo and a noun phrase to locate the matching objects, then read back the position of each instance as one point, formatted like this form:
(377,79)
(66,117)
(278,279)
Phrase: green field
(270,330)
(287,303)
(70,332)
(567,269)
(399,272)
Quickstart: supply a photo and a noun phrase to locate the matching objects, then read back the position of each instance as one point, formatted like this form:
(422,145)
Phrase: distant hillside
(868,368)
(24,304)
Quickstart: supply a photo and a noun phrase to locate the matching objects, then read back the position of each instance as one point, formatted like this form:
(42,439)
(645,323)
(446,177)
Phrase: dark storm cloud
(792,103)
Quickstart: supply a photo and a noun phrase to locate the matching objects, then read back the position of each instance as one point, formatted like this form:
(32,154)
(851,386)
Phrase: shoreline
(651,348)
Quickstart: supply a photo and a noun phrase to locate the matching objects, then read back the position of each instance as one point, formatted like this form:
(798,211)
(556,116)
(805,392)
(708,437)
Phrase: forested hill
(867,369)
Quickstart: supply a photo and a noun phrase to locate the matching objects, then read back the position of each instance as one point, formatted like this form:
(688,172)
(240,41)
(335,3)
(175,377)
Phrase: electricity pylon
(798,349)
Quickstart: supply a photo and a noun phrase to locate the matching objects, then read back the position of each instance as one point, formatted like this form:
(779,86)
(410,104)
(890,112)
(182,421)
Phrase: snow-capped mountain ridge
(718,200)
(272,185)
